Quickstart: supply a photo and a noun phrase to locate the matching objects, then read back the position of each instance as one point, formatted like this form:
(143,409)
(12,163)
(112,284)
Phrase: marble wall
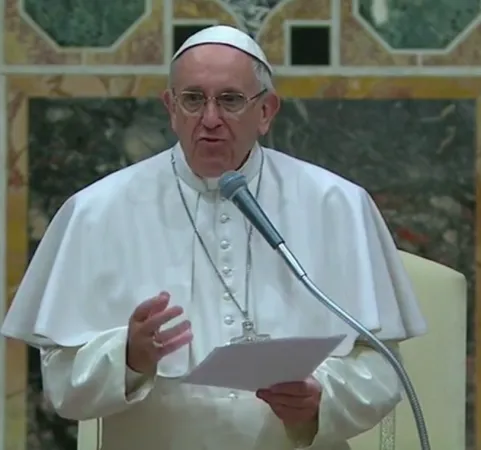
(386,96)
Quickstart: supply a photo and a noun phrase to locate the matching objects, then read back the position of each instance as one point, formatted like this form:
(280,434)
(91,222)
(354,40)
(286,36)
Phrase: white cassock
(127,237)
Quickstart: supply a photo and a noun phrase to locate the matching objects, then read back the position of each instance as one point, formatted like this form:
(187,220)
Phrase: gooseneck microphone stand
(376,343)
(233,186)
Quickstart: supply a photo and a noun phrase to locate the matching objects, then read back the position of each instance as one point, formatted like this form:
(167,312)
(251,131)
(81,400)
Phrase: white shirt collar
(250,169)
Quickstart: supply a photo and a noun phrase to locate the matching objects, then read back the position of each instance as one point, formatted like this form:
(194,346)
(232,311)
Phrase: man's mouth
(210,139)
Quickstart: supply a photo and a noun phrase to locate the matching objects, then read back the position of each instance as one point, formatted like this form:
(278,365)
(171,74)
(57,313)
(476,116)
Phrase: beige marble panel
(143,46)
(360,48)
(271,36)
(209,10)
(24,45)
(466,53)
(15,423)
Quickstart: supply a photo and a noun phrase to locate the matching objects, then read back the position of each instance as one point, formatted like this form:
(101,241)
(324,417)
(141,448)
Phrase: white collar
(249,169)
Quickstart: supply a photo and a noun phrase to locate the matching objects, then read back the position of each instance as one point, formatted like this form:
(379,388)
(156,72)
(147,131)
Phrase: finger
(144,310)
(173,332)
(295,389)
(163,300)
(175,343)
(153,323)
(287,401)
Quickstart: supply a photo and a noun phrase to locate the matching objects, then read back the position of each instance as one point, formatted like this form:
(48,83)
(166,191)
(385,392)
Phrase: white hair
(263,75)
(261,72)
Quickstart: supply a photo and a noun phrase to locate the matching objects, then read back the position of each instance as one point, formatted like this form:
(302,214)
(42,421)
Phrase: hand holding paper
(261,364)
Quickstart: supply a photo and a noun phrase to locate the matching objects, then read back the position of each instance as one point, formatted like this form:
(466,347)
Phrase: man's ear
(168,99)
(270,108)
(169,102)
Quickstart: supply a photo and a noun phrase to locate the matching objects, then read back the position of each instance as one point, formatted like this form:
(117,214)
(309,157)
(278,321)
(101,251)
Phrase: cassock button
(226,296)
(228,320)
(232,395)
(224,244)
(226,271)
(224,218)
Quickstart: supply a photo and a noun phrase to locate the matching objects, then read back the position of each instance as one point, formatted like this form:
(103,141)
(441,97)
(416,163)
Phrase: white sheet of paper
(256,365)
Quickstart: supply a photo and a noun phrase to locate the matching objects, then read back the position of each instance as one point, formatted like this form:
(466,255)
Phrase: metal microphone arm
(377,344)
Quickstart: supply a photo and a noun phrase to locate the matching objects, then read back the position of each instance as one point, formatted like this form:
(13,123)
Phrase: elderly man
(140,275)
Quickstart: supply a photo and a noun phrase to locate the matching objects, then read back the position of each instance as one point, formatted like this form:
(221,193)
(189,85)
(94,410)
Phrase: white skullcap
(225,35)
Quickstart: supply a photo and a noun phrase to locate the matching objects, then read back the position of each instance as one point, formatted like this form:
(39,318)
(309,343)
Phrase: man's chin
(212,161)
(211,164)
(209,167)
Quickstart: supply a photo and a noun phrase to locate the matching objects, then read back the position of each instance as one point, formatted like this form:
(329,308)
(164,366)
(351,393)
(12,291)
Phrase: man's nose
(211,117)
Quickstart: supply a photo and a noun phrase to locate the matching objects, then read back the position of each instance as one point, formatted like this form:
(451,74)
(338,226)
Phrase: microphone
(233,187)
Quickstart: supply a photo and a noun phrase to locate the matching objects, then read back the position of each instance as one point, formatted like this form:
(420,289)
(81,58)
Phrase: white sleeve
(358,391)
(92,381)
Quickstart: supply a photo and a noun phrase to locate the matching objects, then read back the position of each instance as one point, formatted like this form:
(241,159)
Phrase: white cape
(127,237)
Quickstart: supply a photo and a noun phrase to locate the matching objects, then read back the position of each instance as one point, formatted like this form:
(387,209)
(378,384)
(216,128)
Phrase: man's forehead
(215,68)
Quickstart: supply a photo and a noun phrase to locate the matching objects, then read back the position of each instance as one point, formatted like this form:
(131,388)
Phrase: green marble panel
(84,23)
(418,24)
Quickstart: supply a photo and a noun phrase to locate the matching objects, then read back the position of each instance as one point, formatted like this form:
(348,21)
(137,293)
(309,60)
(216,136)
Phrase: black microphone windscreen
(230,182)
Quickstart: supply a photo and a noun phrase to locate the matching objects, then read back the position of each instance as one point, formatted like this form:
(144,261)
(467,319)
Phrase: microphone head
(230,182)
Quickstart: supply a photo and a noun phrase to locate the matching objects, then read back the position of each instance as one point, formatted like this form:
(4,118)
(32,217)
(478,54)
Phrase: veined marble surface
(364,26)
(416,157)
(84,23)
(251,13)
(426,24)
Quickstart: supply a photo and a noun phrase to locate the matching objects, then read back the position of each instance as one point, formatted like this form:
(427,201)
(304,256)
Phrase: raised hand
(148,341)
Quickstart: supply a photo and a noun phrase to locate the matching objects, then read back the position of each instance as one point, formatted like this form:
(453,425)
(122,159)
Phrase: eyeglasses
(194,102)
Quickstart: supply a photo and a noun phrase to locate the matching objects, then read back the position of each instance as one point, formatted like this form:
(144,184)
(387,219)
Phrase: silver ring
(157,344)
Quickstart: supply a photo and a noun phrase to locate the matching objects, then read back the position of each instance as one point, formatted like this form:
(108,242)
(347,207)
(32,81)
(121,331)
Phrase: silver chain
(244,312)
